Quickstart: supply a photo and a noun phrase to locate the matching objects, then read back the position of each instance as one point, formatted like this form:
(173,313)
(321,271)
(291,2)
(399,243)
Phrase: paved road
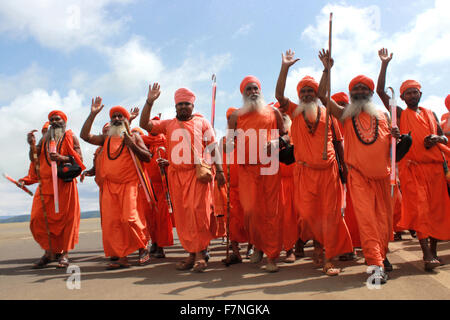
(160,279)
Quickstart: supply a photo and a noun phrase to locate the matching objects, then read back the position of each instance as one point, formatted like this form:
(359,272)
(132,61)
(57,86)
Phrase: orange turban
(120,110)
(138,130)
(230,111)
(340,97)
(277,105)
(45,126)
(447,102)
(307,82)
(409,84)
(362,79)
(59,113)
(184,95)
(247,80)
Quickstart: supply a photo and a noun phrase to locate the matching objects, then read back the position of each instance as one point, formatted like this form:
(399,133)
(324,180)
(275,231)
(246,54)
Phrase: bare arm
(153,94)
(286,62)
(323,84)
(85,133)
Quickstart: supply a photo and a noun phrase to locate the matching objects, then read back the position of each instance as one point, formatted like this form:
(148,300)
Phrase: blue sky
(60,54)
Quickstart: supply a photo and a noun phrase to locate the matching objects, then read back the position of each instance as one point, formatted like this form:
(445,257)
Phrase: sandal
(431,264)
(184,265)
(199,266)
(330,270)
(232,259)
(271,267)
(63,263)
(144,257)
(318,257)
(119,264)
(43,261)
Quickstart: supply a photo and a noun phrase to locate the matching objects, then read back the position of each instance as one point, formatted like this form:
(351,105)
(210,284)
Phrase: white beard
(310,109)
(117,131)
(252,105)
(58,133)
(357,106)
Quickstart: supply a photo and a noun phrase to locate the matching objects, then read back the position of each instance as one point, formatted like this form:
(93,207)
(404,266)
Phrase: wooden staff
(213,105)
(142,176)
(162,171)
(38,174)
(228,216)
(325,144)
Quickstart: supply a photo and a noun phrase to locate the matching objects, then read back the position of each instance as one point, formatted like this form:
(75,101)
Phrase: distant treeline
(26,217)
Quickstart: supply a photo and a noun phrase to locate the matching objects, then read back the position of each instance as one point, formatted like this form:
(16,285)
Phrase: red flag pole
(213,105)
(18,184)
(52,148)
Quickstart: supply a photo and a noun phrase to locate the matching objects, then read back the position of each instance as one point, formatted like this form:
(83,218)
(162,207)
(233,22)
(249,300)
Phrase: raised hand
(96,105)
(134,112)
(323,56)
(288,59)
(30,137)
(153,92)
(384,55)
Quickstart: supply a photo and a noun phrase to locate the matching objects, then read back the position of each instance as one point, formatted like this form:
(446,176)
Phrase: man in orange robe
(319,211)
(367,156)
(237,231)
(445,119)
(64,225)
(123,229)
(426,201)
(159,221)
(342,99)
(255,125)
(191,197)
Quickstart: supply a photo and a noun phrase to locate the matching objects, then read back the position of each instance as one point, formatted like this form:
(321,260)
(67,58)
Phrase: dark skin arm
(323,84)
(335,109)
(432,139)
(381,84)
(153,94)
(85,133)
(287,61)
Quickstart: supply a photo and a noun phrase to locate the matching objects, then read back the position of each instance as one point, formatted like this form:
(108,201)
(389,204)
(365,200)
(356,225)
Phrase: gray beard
(252,105)
(117,131)
(309,108)
(357,106)
(58,132)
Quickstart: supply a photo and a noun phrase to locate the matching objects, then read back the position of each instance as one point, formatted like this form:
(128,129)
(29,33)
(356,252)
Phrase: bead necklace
(312,127)
(119,152)
(362,132)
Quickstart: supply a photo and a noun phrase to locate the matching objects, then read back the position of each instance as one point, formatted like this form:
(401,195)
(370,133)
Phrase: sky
(61,54)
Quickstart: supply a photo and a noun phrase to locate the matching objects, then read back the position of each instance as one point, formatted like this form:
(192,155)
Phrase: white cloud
(243,30)
(63,25)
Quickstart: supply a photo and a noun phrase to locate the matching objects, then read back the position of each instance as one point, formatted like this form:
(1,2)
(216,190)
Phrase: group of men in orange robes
(271,206)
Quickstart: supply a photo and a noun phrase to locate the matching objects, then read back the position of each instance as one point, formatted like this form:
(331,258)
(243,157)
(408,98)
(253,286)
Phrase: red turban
(156,118)
(247,80)
(447,102)
(58,113)
(409,84)
(340,97)
(230,111)
(184,95)
(120,110)
(277,105)
(362,79)
(45,126)
(307,82)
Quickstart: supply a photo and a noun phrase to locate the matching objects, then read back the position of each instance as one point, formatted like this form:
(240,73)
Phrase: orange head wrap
(340,97)
(45,126)
(120,110)
(247,80)
(362,79)
(409,84)
(138,130)
(230,111)
(184,95)
(447,102)
(156,118)
(277,105)
(59,113)
(307,82)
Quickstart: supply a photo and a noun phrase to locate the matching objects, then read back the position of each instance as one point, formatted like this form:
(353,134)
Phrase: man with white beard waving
(319,211)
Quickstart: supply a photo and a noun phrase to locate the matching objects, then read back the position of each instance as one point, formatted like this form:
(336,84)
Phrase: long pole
(162,171)
(325,144)
(393,106)
(213,105)
(52,148)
